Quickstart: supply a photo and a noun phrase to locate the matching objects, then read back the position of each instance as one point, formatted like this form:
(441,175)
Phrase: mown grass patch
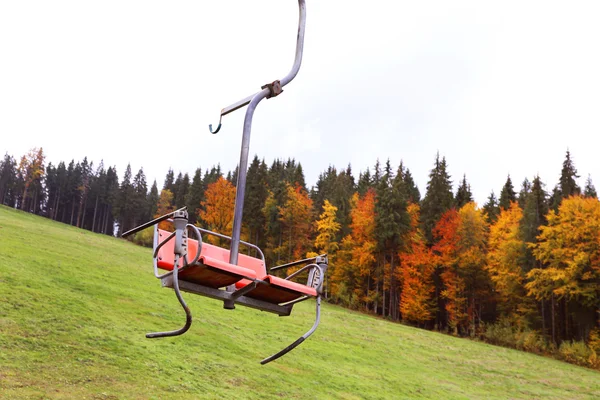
(74,308)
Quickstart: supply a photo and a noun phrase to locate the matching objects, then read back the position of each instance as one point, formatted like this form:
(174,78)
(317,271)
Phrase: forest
(521,271)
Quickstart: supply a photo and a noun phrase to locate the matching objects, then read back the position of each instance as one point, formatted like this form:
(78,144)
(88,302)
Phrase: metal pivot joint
(274,87)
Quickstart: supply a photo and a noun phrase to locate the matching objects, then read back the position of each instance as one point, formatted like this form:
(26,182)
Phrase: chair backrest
(208,250)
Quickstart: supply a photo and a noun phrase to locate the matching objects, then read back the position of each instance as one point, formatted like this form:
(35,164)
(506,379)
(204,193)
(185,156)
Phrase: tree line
(525,265)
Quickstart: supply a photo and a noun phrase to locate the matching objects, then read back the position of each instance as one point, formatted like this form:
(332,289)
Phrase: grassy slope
(74,307)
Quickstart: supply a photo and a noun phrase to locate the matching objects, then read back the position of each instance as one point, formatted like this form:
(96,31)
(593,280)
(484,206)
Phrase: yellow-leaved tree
(506,253)
(570,248)
(296,217)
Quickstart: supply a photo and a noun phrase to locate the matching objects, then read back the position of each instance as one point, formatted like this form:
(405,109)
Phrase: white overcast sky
(495,87)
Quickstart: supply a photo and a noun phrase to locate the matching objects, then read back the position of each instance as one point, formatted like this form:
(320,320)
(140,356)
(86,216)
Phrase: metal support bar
(252,102)
(281,310)
(153,222)
(322,259)
(244,290)
(300,339)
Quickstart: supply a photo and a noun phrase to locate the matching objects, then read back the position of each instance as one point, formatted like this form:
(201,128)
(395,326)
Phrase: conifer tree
(413,194)
(8,173)
(257,191)
(491,208)
(195,196)
(125,203)
(525,190)
(438,198)
(140,194)
(568,174)
(463,194)
(507,195)
(534,216)
(182,186)
(392,222)
(590,190)
(169,181)
(364,182)
(152,201)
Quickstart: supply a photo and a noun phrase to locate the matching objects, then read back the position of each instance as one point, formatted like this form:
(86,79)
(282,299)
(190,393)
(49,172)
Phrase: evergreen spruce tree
(463,194)
(8,173)
(195,196)
(568,185)
(125,204)
(152,200)
(534,215)
(97,196)
(63,196)
(325,188)
(590,190)
(507,194)
(112,201)
(212,176)
(257,192)
(438,198)
(491,208)
(182,188)
(364,182)
(414,196)
(140,199)
(525,190)
(344,188)
(392,222)
(555,198)
(169,181)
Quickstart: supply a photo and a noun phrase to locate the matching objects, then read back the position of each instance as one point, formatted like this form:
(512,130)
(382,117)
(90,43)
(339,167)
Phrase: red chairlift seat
(210,273)
(214,270)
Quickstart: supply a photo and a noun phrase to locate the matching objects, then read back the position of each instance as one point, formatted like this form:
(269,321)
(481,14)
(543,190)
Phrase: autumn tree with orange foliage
(356,260)
(461,248)
(416,301)
(445,233)
(217,208)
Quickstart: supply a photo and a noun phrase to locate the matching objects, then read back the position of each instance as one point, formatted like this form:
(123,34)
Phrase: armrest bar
(293,263)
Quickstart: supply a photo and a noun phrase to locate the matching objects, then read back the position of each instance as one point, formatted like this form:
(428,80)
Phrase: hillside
(74,308)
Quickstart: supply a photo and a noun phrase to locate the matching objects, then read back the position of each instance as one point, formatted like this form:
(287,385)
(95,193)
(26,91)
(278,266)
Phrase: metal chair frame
(315,266)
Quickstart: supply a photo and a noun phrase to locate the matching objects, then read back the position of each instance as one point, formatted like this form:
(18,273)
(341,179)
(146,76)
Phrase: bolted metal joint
(275,89)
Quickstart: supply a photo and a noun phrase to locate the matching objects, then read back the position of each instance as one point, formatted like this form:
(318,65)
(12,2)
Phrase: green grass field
(74,308)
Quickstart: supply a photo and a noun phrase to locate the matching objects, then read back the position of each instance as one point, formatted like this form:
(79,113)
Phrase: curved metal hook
(188,314)
(218,127)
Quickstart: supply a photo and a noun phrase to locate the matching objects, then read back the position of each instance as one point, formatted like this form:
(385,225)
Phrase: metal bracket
(274,87)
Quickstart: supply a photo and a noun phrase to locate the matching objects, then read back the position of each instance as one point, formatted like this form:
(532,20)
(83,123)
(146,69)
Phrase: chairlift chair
(224,274)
